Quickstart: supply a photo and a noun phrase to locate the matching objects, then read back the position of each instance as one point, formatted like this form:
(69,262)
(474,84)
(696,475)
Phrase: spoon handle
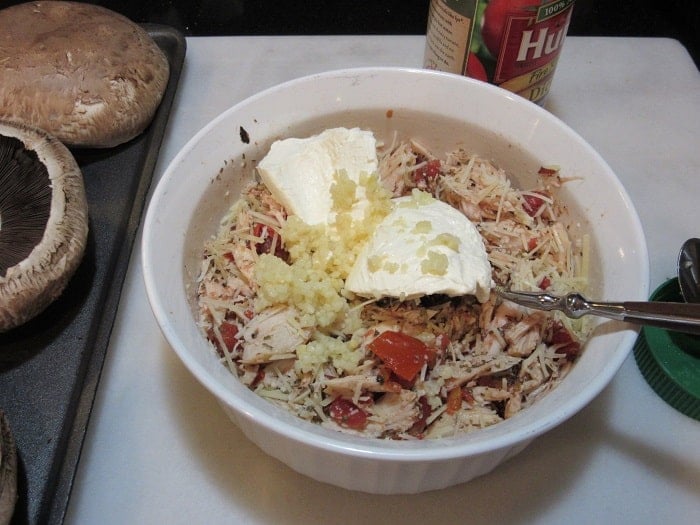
(680,317)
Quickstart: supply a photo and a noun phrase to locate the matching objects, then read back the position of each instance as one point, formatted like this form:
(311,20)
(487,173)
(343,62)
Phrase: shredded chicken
(272,335)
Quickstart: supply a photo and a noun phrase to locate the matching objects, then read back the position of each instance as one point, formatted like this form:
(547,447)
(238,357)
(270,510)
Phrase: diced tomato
(418,427)
(531,244)
(547,171)
(403,354)
(258,377)
(532,204)
(347,414)
(229,334)
(403,384)
(565,342)
(211,337)
(544,283)
(454,400)
(258,229)
(389,380)
(442,341)
(560,335)
(427,172)
(467,396)
(268,234)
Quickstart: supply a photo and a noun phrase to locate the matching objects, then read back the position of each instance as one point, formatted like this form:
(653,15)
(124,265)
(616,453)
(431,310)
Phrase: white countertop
(160,450)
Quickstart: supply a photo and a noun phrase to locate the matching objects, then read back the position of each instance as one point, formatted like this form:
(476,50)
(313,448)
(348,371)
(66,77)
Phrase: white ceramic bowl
(443,112)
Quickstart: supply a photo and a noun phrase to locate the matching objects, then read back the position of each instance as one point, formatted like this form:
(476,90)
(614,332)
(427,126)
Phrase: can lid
(670,361)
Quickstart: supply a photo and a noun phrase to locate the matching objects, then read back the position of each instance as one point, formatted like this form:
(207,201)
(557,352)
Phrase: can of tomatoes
(514,44)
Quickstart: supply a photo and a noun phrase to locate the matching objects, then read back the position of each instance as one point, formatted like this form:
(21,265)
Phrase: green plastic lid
(670,361)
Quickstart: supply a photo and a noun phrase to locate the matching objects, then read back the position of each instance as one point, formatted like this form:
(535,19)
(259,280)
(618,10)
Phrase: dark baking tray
(50,367)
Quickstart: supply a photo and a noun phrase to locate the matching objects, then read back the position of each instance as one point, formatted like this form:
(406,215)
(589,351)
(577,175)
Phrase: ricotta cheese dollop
(299,172)
(422,247)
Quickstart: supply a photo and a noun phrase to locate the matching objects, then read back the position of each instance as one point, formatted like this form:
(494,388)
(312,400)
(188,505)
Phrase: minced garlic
(322,255)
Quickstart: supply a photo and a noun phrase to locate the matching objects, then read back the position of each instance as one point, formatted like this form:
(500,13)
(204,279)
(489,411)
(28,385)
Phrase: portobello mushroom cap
(8,471)
(43,221)
(83,73)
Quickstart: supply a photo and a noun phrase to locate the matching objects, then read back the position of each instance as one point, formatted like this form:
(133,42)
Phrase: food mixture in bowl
(352,283)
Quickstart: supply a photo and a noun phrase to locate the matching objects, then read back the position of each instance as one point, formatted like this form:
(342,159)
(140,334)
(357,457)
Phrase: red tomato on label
(476,69)
(347,414)
(495,17)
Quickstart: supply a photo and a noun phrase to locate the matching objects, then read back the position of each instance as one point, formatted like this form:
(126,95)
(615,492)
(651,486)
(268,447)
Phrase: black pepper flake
(245,138)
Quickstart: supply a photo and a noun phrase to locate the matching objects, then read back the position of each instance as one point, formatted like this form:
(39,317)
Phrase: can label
(449,34)
(512,43)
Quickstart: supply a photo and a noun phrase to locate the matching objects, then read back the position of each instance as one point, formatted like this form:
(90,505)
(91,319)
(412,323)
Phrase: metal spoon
(680,317)
(689,270)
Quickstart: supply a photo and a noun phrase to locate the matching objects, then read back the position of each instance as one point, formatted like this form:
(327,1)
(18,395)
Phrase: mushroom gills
(25,202)
(43,221)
